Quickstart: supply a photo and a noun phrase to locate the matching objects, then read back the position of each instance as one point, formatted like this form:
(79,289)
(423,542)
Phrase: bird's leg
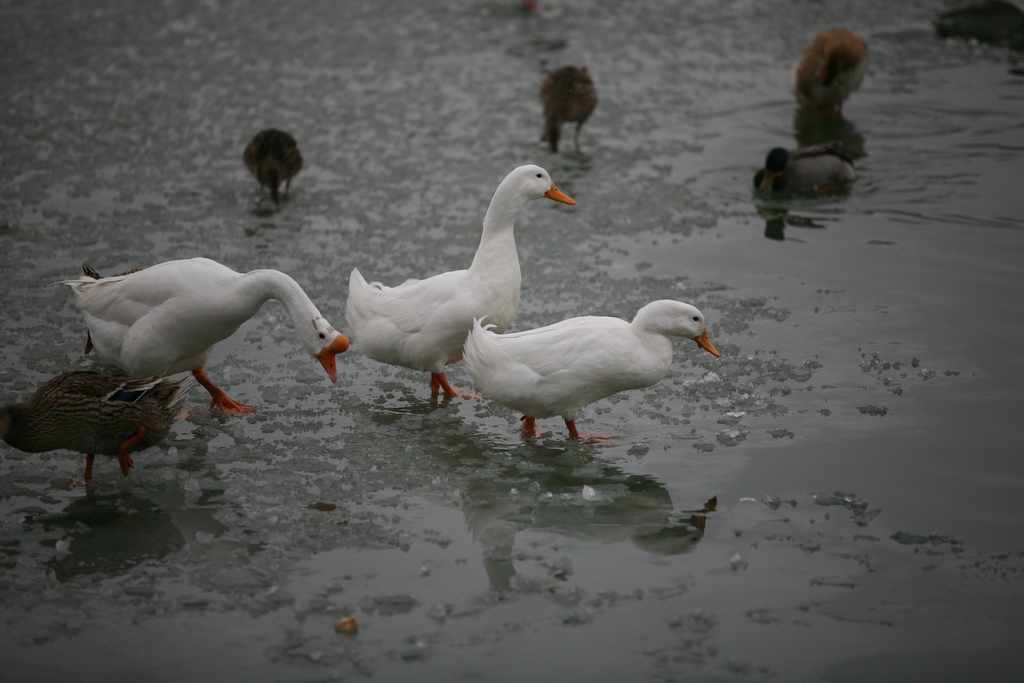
(439,383)
(287,186)
(529,425)
(575,434)
(87,477)
(123,458)
(220,400)
(576,136)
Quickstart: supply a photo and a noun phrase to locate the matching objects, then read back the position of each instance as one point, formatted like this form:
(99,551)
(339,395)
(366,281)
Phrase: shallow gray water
(836,498)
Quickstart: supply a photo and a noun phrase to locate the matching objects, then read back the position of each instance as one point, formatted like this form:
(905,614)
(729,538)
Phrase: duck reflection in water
(777,218)
(579,504)
(110,534)
(810,130)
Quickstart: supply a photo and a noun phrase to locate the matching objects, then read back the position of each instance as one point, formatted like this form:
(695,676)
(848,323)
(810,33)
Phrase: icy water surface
(837,497)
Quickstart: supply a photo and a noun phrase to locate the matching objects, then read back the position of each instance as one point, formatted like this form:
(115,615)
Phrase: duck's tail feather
(181,393)
(480,352)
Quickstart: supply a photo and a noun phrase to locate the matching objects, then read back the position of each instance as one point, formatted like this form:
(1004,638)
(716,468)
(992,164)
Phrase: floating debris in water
(873,410)
(904,538)
(731,437)
(861,515)
(591,495)
(346,625)
(832,582)
(774,502)
(389,604)
(737,563)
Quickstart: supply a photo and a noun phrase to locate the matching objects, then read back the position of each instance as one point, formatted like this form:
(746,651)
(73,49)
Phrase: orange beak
(558,195)
(705,343)
(327,354)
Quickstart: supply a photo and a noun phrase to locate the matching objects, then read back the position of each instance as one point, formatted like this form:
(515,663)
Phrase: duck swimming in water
(819,168)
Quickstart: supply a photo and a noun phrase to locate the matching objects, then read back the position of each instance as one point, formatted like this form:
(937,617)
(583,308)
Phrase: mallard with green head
(810,169)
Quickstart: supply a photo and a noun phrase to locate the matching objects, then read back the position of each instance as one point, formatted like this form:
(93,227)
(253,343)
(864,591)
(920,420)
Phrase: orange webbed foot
(529,425)
(594,438)
(589,438)
(439,384)
(221,401)
(228,405)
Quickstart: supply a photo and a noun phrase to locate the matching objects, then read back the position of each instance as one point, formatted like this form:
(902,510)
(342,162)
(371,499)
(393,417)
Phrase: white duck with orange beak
(559,369)
(422,324)
(165,318)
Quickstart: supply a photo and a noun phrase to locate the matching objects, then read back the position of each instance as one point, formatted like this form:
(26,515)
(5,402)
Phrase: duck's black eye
(539,175)
(324,336)
(696,319)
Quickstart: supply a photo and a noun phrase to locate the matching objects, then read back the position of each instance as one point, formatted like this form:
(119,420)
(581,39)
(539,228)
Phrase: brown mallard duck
(273,157)
(92,413)
(831,68)
(568,95)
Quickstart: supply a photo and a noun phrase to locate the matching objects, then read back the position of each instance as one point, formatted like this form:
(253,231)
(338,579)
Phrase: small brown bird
(831,68)
(273,157)
(568,95)
(92,413)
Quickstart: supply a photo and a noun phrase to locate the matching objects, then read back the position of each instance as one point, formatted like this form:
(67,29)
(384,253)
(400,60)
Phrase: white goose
(164,319)
(422,324)
(559,369)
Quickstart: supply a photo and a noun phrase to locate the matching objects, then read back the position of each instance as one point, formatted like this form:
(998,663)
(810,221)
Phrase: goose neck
(501,214)
(261,285)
